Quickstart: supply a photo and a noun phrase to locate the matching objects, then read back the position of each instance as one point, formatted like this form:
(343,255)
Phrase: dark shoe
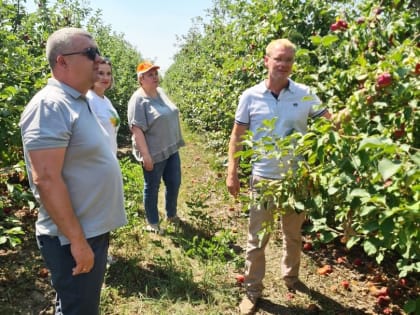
(174,220)
(297,286)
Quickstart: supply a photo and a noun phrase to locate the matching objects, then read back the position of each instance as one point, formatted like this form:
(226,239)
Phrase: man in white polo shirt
(290,104)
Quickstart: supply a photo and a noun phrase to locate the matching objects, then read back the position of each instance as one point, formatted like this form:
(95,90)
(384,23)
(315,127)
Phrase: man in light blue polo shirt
(291,105)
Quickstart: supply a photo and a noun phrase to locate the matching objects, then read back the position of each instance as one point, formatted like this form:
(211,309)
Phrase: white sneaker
(153,228)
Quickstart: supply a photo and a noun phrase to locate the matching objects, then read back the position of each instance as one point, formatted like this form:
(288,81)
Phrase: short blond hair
(284,42)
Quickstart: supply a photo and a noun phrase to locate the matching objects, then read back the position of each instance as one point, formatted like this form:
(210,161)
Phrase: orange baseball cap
(145,66)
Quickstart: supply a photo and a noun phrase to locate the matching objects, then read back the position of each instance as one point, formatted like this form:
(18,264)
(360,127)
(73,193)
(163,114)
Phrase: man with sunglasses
(72,173)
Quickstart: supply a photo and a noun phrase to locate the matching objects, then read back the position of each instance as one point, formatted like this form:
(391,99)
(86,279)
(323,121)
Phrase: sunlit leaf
(387,168)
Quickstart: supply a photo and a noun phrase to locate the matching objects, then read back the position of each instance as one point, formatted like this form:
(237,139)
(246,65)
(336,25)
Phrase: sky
(151,26)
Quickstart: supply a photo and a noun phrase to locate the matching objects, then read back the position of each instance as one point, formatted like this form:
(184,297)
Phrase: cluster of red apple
(340,25)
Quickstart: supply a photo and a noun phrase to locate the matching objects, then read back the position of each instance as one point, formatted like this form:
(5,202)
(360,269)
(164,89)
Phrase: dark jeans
(170,171)
(76,295)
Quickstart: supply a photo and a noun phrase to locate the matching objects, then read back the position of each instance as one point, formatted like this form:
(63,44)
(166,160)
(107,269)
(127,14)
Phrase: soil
(340,281)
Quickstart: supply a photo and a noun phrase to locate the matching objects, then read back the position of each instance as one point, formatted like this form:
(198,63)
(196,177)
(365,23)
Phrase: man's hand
(232,180)
(147,162)
(83,256)
(233,185)
(343,116)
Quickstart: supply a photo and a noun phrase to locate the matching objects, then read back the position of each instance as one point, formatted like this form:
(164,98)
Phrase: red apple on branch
(340,25)
(402,282)
(334,27)
(377,10)
(360,20)
(384,80)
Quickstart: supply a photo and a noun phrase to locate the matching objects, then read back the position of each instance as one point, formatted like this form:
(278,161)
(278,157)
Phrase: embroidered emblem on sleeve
(307,98)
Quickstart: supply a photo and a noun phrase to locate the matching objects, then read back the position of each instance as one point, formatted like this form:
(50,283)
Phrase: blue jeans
(75,295)
(170,171)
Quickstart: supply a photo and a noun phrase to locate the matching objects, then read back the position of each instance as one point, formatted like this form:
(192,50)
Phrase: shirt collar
(291,87)
(67,88)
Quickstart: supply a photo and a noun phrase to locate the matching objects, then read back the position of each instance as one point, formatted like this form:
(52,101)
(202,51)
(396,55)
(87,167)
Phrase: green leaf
(416,158)
(361,60)
(3,240)
(302,52)
(366,209)
(406,268)
(316,40)
(387,226)
(31,205)
(369,247)
(375,142)
(378,200)
(332,190)
(327,236)
(370,226)
(358,192)
(328,40)
(299,205)
(380,257)
(352,241)
(361,77)
(412,305)
(387,168)
(14,231)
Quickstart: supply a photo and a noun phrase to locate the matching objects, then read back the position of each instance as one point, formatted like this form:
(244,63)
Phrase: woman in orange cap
(156,133)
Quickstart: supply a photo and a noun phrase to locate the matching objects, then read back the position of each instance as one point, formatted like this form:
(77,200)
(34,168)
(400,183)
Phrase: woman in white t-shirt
(102,106)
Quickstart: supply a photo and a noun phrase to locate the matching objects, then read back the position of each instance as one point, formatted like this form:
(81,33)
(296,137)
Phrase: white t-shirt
(107,116)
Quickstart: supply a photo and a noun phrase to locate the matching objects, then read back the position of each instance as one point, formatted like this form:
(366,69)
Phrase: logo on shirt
(307,98)
(114,119)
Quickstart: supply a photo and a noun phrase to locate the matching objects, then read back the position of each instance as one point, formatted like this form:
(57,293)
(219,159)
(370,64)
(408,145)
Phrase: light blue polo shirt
(58,116)
(291,111)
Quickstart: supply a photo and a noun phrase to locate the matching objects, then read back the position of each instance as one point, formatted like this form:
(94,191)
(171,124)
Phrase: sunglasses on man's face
(90,52)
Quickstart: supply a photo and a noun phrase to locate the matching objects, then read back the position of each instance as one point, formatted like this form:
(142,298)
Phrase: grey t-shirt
(59,117)
(159,120)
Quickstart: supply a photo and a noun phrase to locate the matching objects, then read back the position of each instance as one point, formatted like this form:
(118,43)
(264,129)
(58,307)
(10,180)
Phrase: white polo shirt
(290,110)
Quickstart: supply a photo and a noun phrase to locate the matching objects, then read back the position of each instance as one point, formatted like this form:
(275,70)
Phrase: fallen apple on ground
(325,270)
(307,246)
(345,284)
(240,278)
